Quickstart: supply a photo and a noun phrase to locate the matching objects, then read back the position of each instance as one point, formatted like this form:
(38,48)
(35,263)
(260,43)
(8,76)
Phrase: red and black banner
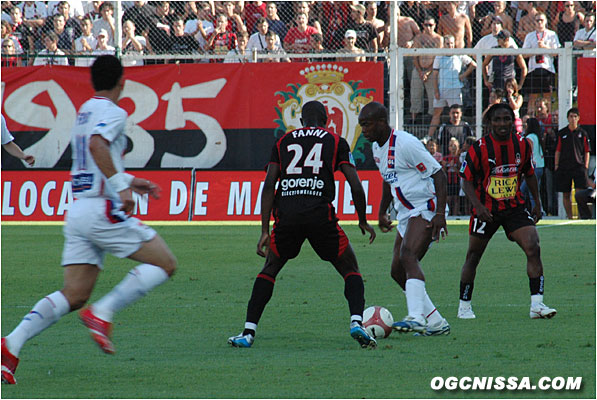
(209,116)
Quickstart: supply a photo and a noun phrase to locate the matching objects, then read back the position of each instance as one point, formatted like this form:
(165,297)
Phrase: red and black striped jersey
(496,169)
(308,158)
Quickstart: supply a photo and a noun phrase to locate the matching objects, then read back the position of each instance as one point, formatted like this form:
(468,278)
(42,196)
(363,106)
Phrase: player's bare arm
(358,197)
(482,212)
(100,150)
(438,222)
(14,150)
(267,204)
(384,221)
(144,186)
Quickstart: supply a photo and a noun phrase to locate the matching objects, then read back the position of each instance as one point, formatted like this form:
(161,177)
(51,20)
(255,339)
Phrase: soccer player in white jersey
(97,222)
(417,183)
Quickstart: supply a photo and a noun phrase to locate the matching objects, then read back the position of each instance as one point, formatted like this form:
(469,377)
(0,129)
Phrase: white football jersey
(406,165)
(97,116)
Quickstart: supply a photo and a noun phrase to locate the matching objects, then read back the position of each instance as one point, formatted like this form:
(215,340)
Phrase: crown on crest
(324,73)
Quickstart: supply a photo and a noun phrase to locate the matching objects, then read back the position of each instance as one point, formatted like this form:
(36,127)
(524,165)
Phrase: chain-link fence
(189,31)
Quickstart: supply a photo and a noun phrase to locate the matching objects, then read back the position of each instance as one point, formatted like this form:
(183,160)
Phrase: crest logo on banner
(342,100)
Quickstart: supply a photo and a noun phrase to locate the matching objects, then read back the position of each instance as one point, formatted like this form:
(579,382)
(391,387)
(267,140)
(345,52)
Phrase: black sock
(354,291)
(262,293)
(466,291)
(536,285)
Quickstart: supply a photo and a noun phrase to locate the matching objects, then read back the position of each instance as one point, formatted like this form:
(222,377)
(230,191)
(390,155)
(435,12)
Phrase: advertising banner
(208,116)
(206,196)
(586,73)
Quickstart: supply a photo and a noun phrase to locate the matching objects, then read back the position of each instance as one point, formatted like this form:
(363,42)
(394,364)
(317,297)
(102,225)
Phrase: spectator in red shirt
(335,17)
(235,22)
(302,7)
(297,38)
(221,40)
(252,12)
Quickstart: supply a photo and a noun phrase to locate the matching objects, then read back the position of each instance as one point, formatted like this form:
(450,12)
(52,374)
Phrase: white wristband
(120,181)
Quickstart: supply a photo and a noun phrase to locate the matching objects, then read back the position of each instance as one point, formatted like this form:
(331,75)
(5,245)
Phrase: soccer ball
(378,322)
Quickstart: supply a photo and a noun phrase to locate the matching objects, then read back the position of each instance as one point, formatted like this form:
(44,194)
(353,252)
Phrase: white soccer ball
(378,322)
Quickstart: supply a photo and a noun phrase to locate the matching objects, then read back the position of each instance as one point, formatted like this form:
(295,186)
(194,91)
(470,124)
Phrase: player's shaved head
(314,114)
(374,110)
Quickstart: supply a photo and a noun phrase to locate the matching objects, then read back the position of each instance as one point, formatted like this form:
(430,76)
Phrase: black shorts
(565,177)
(539,80)
(511,220)
(321,229)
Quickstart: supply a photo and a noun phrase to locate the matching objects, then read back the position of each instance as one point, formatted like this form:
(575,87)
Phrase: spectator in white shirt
(541,78)
(202,26)
(103,47)
(34,11)
(106,22)
(275,52)
(257,40)
(490,41)
(585,38)
(85,44)
(240,51)
(132,44)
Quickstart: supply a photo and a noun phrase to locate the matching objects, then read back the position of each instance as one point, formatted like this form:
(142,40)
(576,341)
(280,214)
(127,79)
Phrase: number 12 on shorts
(478,226)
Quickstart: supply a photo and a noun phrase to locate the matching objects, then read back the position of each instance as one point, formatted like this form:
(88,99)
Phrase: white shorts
(447,97)
(92,228)
(422,210)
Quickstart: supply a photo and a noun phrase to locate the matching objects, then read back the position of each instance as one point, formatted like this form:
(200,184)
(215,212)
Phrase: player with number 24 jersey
(304,187)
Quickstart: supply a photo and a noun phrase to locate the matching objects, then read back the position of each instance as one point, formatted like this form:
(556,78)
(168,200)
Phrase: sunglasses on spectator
(8,46)
(569,6)
(539,20)
(428,24)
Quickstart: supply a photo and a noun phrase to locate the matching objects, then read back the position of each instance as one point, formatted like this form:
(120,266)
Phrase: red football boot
(99,330)
(9,365)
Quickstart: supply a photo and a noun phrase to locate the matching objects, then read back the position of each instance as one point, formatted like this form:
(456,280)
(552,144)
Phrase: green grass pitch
(172,343)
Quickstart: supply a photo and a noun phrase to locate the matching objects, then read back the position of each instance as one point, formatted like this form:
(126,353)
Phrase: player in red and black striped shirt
(304,161)
(492,174)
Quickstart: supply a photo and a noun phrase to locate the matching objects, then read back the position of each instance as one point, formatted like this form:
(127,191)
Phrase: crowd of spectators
(304,27)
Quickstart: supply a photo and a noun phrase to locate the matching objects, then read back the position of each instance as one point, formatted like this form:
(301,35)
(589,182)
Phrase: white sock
(358,318)
(434,318)
(431,313)
(465,304)
(536,298)
(135,285)
(415,298)
(44,314)
(251,325)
